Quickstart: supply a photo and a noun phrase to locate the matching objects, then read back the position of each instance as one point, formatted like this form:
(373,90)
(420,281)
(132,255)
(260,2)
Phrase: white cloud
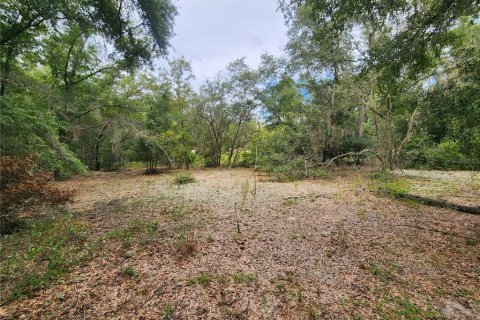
(211,33)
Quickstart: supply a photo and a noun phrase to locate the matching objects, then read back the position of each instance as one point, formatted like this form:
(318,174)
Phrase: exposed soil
(313,249)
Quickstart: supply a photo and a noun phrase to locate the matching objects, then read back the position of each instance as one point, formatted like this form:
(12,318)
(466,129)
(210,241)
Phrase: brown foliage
(21,187)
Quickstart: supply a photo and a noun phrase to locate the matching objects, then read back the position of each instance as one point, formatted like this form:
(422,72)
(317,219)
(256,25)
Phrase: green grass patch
(203,279)
(136,232)
(397,187)
(241,277)
(400,307)
(382,273)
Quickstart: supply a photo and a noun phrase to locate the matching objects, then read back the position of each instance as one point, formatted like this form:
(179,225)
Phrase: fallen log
(331,161)
(434,202)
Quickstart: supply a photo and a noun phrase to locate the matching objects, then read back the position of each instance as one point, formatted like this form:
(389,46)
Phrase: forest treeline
(85,85)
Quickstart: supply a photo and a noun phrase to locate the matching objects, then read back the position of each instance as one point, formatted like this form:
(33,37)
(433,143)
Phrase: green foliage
(241,277)
(382,175)
(399,307)
(167,311)
(202,279)
(57,239)
(320,173)
(129,272)
(135,233)
(184,178)
(383,274)
(446,155)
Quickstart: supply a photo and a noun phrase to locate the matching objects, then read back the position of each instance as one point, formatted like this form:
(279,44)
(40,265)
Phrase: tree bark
(361,119)
(5,69)
(233,143)
(435,202)
(97,146)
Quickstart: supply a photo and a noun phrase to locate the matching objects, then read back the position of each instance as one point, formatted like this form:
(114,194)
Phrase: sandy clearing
(324,247)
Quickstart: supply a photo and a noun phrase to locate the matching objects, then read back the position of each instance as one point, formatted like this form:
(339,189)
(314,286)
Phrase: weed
(129,272)
(396,307)
(311,313)
(136,231)
(472,241)
(167,311)
(185,246)
(289,202)
(210,239)
(202,279)
(384,274)
(382,175)
(299,295)
(466,293)
(184,178)
(362,215)
(281,285)
(58,240)
(240,277)
(224,280)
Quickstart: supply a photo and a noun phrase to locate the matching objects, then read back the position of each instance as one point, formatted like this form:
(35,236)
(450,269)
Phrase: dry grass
(335,251)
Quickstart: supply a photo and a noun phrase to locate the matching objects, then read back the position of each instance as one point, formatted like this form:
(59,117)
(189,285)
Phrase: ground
(226,247)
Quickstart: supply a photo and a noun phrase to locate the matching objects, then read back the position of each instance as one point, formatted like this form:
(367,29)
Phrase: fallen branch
(435,202)
(331,161)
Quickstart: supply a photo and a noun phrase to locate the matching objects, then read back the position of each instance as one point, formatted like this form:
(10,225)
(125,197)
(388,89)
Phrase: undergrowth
(40,255)
(184,178)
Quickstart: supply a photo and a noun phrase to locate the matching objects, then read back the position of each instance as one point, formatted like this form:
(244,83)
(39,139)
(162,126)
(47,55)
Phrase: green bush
(382,175)
(446,155)
(320,174)
(184,178)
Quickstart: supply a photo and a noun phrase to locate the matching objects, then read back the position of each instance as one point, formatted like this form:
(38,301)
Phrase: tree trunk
(233,143)
(435,202)
(361,119)
(97,146)
(5,69)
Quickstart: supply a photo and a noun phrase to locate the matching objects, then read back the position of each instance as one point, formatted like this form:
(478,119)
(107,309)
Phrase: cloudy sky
(211,33)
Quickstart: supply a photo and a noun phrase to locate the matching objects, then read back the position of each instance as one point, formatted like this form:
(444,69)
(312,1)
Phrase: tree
(399,43)
(243,97)
(85,44)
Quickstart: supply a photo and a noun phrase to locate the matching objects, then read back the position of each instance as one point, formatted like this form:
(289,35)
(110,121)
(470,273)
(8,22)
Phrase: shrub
(21,188)
(184,178)
(320,174)
(446,155)
(382,175)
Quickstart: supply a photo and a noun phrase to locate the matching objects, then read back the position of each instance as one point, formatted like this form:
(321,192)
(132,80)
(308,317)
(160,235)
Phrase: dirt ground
(312,249)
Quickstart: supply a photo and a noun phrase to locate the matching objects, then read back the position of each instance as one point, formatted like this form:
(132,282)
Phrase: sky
(211,33)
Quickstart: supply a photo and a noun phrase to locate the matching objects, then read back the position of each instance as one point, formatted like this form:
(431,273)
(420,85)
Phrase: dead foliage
(22,187)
